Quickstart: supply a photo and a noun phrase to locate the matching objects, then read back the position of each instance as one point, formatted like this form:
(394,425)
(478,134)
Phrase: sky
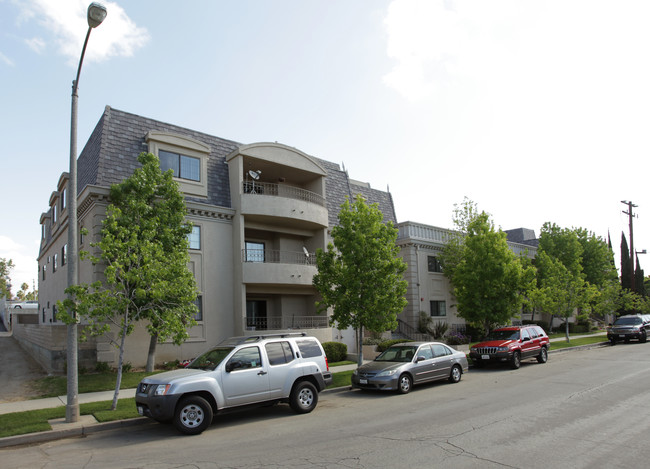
(536,111)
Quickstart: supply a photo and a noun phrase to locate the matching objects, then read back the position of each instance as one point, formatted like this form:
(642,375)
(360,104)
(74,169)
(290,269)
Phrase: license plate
(363,381)
(485,357)
(140,410)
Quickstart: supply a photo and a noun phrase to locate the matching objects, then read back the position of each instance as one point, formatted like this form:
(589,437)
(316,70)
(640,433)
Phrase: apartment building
(260,211)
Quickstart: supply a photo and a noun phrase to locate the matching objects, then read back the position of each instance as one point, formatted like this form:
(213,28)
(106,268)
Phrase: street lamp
(96,14)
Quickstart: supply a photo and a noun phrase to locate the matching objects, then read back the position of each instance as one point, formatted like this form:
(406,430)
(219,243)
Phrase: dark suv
(628,327)
(511,344)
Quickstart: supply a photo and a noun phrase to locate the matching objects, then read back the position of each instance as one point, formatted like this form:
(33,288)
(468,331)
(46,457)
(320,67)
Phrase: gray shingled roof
(110,156)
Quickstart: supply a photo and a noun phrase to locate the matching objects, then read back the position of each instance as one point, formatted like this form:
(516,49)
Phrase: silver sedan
(403,365)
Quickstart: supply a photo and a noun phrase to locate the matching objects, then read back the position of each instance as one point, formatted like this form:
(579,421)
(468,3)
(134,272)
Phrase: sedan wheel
(455,374)
(404,384)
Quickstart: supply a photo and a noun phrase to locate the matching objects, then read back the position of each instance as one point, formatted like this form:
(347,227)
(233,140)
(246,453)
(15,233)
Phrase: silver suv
(238,372)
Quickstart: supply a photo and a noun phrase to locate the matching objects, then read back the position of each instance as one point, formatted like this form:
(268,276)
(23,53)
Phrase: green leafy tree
(360,273)
(5,280)
(561,279)
(144,250)
(489,281)
(599,269)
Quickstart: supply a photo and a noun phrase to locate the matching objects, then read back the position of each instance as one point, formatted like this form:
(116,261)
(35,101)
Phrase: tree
(626,274)
(599,269)
(561,285)
(5,280)
(360,273)
(489,281)
(144,250)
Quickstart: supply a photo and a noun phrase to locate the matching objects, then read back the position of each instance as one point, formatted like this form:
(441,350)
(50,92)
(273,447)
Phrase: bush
(126,367)
(102,367)
(438,330)
(387,343)
(171,365)
(335,351)
(372,341)
(456,338)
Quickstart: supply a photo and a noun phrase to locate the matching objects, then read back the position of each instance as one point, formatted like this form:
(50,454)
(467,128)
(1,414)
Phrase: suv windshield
(628,321)
(397,353)
(210,359)
(503,335)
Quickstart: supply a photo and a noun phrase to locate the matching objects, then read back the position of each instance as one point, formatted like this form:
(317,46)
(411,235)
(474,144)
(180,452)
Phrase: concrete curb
(51,435)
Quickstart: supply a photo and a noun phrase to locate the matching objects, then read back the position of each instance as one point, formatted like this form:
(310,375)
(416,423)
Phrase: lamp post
(96,14)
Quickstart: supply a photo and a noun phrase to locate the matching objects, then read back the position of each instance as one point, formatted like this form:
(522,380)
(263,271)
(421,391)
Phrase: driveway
(17,369)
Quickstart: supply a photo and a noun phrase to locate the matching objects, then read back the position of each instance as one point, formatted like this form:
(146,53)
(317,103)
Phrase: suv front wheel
(304,397)
(193,415)
(515,362)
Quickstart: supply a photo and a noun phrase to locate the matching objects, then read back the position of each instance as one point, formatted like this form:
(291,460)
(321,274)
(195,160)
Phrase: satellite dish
(254,174)
(304,249)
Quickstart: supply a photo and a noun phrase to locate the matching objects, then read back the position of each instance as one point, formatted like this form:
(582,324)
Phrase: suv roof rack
(256,338)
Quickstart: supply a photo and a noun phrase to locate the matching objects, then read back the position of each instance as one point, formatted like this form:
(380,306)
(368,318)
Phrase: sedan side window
(425,352)
(245,358)
(440,350)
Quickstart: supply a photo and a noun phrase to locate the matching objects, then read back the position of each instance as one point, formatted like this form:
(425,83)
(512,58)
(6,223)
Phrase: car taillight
(327,365)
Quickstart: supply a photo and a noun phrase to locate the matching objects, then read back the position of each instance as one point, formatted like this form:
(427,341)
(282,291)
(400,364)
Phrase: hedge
(335,351)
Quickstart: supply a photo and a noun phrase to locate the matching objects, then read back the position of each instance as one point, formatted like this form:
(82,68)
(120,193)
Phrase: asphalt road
(581,409)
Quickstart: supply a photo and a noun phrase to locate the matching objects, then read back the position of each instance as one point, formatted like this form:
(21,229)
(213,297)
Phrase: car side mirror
(420,358)
(231,366)
(525,339)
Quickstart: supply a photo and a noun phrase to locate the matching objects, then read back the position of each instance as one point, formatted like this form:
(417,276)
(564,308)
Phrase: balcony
(287,323)
(270,203)
(283,190)
(275,267)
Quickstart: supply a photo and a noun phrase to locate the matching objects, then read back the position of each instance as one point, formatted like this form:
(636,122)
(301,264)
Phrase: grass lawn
(53,386)
(20,423)
(580,341)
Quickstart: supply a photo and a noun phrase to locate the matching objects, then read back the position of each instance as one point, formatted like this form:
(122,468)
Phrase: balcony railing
(283,190)
(287,323)
(274,256)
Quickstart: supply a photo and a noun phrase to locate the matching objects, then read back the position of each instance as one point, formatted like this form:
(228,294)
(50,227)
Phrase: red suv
(511,344)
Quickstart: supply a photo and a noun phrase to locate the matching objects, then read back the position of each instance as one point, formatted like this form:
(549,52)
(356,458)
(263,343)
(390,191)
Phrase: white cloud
(6,60)
(36,44)
(24,259)
(117,36)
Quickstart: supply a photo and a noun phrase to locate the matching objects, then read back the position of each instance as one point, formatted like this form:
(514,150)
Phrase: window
(425,351)
(440,350)
(279,353)
(438,308)
(54,213)
(254,251)
(64,254)
(184,167)
(309,348)
(245,358)
(199,308)
(433,264)
(55,262)
(53,313)
(44,270)
(64,193)
(186,156)
(194,238)
(43,231)
(524,334)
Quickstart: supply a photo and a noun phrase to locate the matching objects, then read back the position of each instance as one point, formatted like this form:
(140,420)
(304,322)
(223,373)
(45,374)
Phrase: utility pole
(630,214)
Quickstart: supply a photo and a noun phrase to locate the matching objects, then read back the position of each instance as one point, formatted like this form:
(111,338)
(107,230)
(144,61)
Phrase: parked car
(403,365)
(629,327)
(511,344)
(240,371)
